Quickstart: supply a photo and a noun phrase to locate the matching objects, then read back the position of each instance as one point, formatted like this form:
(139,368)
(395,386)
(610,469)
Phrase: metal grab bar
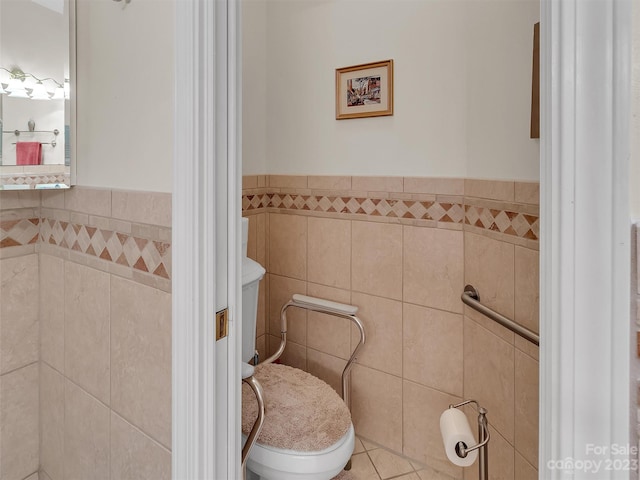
(471,297)
(330,308)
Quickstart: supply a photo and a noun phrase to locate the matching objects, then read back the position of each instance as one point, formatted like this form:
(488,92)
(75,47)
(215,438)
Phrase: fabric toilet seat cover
(303,413)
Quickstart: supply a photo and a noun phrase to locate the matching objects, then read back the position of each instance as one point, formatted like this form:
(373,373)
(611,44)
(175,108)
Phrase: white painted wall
(634,171)
(444,53)
(461,105)
(307,41)
(125,92)
(254,74)
(500,58)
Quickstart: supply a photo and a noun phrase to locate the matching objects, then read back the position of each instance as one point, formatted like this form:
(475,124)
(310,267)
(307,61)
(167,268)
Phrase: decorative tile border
(375,207)
(33,180)
(504,221)
(148,254)
(513,220)
(146,251)
(17,232)
(257,201)
(141,254)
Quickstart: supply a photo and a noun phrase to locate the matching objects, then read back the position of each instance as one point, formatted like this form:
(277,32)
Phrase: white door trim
(193,338)
(234,207)
(205,438)
(585,235)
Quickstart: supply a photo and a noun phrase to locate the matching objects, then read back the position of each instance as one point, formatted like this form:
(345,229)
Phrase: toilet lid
(303,413)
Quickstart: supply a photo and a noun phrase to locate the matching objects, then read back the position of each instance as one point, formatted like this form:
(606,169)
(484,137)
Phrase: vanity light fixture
(17,86)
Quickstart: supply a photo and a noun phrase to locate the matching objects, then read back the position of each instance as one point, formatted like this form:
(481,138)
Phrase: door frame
(585,51)
(585,385)
(205,241)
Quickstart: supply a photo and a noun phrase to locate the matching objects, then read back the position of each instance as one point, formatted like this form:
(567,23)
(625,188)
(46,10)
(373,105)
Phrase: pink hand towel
(28,153)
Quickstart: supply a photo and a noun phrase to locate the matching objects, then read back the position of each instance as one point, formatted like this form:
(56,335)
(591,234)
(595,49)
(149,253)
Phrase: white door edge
(585,406)
(205,233)
(234,202)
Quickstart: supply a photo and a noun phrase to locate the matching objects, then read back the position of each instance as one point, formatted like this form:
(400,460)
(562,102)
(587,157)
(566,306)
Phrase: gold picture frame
(364,90)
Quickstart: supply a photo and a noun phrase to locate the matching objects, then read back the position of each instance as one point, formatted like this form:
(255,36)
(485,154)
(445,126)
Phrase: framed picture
(364,90)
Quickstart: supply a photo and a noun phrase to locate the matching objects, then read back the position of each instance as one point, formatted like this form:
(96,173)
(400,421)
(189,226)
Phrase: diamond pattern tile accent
(33,180)
(141,254)
(154,257)
(255,201)
(379,207)
(18,232)
(505,221)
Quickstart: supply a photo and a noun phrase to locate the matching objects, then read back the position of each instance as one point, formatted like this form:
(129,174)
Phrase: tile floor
(372,462)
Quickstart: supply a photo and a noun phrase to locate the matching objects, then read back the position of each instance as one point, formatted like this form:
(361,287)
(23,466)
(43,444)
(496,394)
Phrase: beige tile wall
(406,272)
(19,336)
(98,403)
(104,389)
(105,401)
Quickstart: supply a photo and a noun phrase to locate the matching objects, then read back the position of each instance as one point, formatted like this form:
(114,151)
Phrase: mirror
(37,60)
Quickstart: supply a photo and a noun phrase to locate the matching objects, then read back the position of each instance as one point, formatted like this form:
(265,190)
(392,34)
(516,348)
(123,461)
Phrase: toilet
(273,458)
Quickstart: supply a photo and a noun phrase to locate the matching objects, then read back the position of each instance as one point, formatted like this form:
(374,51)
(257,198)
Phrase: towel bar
(53,142)
(18,132)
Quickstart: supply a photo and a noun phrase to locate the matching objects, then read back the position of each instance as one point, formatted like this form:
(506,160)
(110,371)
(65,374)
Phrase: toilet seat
(303,412)
(309,434)
(282,464)
(293,454)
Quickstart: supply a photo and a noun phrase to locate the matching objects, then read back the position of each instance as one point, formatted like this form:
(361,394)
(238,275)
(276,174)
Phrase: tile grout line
(400,456)
(20,367)
(372,464)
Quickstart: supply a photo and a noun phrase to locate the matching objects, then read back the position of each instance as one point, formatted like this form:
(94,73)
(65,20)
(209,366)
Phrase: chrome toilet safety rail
(463,450)
(330,308)
(249,379)
(471,297)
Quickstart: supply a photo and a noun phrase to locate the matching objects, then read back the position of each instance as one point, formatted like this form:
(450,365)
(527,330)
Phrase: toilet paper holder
(463,450)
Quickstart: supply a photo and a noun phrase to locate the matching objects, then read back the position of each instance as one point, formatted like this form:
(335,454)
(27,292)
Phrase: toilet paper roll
(455,428)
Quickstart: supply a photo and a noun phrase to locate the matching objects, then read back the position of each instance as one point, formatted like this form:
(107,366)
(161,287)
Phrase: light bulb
(58,94)
(39,92)
(16,88)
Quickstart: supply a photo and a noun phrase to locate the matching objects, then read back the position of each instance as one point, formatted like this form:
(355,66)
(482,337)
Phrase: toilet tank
(252,273)
(245,235)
